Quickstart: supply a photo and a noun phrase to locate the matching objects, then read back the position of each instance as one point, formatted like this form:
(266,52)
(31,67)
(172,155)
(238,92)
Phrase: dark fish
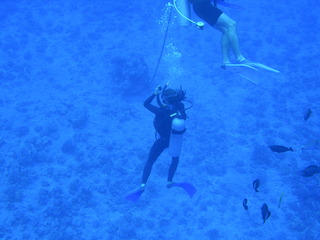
(244,204)
(280,149)
(310,171)
(265,212)
(256,184)
(307,114)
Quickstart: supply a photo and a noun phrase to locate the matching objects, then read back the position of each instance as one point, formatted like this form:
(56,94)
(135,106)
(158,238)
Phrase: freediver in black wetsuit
(171,107)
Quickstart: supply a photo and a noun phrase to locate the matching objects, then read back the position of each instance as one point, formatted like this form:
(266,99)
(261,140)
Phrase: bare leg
(229,38)
(225,47)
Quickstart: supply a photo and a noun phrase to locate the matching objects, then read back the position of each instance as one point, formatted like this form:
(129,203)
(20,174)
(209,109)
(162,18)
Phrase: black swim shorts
(206,11)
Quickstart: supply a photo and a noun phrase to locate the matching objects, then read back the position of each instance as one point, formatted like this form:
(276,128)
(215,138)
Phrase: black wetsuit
(162,123)
(206,11)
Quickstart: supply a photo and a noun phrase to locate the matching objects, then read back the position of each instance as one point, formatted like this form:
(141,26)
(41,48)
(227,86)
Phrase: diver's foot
(226,63)
(142,187)
(243,61)
(135,195)
(170,184)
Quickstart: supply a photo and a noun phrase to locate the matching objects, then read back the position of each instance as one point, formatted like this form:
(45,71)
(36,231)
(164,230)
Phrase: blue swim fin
(243,70)
(262,66)
(134,196)
(188,187)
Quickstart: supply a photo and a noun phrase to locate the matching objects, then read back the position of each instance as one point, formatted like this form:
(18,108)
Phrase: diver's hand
(158,90)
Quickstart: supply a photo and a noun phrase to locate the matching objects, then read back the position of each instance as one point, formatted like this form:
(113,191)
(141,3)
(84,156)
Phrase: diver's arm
(147,104)
(158,101)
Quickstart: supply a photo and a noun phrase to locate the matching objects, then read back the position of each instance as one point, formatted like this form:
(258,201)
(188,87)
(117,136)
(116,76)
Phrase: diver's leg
(173,168)
(157,148)
(225,46)
(228,27)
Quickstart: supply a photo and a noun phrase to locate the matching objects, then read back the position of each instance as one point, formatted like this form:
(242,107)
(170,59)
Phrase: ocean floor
(74,135)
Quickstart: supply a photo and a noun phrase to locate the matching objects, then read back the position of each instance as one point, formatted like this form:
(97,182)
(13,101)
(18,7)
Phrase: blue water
(74,135)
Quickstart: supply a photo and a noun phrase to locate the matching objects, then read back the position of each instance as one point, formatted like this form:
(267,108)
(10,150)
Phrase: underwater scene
(130,120)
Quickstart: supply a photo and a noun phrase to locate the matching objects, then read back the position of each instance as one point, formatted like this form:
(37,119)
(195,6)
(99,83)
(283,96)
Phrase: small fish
(245,204)
(265,212)
(256,184)
(307,114)
(280,149)
(310,171)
